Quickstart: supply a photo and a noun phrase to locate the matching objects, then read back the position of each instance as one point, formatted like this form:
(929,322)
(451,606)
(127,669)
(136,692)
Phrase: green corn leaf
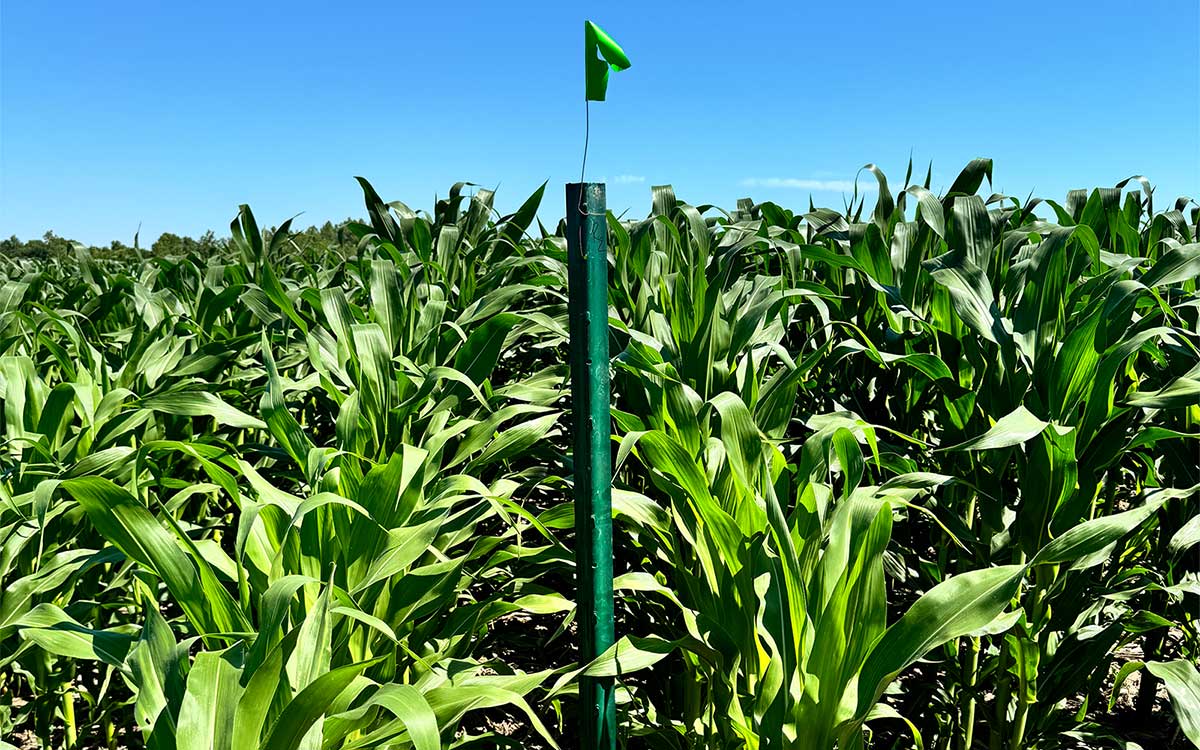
(1012,429)
(303,711)
(201,404)
(970,294)
(479,354)
(157,664)
(1183,685)
(310,658)
(971,231)
(962,604)
(254,706)
(131,528)
(971,178)
(1180,264)
(1187,537)
(213,691)
(1092,536)
(518,223)
(1179,392)
(279,420)
(58,633)
(409,706)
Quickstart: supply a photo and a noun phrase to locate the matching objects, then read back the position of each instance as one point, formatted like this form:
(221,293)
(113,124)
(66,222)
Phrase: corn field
(919,476)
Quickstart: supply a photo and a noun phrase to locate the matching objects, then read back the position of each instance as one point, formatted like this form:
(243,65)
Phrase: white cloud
(628,179)
(828,186)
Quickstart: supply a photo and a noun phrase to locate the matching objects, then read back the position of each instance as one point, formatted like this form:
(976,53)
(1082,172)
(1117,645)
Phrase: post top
(585,199)
(593,192)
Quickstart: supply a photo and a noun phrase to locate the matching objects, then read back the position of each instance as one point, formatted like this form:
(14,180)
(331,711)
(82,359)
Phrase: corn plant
(920,476)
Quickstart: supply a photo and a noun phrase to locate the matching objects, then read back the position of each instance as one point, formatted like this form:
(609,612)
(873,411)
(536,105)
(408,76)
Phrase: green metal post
(587,306)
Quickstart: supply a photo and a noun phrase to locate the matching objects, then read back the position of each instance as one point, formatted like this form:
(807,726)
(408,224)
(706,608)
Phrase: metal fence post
(587,292)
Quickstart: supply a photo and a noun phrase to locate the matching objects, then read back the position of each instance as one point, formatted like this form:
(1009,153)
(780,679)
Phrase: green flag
(600,52)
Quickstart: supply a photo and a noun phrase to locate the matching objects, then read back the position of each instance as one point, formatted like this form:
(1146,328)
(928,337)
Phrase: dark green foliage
(924,475)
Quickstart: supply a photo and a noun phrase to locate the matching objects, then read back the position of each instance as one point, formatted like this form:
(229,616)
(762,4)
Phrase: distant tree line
(50,245)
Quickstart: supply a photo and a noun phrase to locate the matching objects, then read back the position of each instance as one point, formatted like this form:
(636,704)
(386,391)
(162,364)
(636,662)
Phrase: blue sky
(169,115)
